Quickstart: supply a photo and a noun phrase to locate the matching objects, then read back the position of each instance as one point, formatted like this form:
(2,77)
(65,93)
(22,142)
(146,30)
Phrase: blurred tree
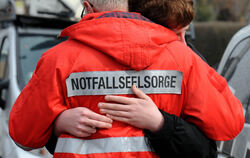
(225,15)
(230,10)
(204,10)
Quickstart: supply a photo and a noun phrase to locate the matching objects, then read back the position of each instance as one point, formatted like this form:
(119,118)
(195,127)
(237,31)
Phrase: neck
(125,9)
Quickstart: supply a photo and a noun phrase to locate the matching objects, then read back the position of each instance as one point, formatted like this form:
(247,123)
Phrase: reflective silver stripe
(120,82)
(105,145)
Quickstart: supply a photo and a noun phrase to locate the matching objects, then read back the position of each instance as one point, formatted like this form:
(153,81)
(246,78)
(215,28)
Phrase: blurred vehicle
(23,39)
(235,67)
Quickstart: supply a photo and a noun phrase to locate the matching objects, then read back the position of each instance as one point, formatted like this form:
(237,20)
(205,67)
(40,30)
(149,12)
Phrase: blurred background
(215,23)
(61,8)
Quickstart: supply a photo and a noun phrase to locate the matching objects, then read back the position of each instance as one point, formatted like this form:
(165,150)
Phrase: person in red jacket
(164,141)
(180,11)
(102,56)
(162,135)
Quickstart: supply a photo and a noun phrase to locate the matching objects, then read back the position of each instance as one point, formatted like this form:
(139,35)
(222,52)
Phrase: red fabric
(111,44)
(107,155)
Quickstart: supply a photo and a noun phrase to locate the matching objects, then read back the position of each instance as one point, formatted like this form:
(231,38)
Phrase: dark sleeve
(196,51)
(51,144)
(180,139)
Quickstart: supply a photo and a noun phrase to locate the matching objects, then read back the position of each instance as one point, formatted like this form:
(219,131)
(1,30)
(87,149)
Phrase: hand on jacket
(140,112)
(80,122)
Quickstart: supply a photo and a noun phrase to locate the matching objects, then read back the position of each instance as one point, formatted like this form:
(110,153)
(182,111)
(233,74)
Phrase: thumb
(140,94)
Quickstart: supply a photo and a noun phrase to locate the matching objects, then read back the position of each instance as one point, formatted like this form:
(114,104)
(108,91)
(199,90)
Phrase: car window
(31,48)
(4,51)
(237,72)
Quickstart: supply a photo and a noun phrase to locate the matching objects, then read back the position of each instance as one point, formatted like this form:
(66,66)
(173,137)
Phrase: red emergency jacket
(105,54)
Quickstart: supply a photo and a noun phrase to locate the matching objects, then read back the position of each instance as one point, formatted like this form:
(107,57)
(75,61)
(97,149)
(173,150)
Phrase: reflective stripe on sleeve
(104,145)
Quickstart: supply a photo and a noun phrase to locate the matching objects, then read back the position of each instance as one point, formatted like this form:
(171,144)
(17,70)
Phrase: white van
(235,67)
(23,39)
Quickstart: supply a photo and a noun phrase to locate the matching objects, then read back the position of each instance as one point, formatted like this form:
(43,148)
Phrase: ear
(88,7)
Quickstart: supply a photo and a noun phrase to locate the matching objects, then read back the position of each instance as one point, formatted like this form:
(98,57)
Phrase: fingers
(139,93)
(96,120)
(84,131)
(113,106)
(93,119)
(118,99)
(98,124)
(125,100)
(95,116)
(117,118)
(115,113)
(82,134)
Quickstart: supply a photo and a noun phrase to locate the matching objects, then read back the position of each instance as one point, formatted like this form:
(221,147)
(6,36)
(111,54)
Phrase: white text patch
(120,82)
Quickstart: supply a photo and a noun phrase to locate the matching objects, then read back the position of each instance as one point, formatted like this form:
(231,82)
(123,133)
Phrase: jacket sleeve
(209,103)
(51,144)
(39,103)
(179,139)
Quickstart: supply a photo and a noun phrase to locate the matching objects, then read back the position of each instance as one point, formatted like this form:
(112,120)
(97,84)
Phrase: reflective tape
(120,82)
(104,145)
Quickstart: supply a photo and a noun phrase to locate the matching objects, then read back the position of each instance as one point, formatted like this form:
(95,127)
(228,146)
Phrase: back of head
(110,5)
(173,14)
